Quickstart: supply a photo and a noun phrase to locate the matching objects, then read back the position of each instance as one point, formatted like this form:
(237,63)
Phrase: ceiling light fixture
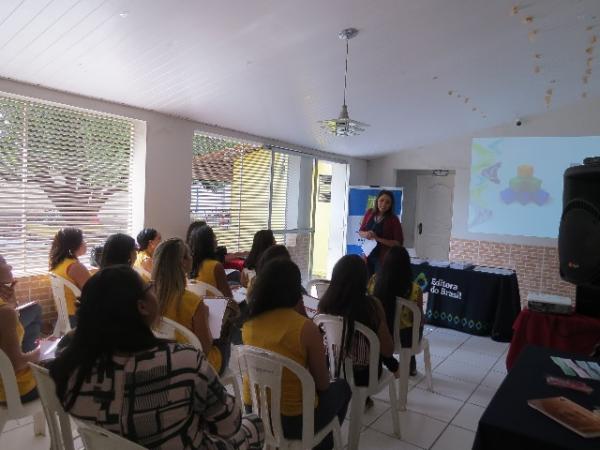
(343,125)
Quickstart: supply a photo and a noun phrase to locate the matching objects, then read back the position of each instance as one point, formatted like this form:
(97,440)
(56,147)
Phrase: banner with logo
(360,199)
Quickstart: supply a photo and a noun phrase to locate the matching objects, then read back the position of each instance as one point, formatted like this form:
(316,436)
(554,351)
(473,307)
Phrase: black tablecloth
(474,302)
(510,423)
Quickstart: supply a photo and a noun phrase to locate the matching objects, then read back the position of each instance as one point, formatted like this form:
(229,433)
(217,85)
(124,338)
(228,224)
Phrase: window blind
(60,167)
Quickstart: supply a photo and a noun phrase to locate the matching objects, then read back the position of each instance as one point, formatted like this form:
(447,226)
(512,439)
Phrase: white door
(434,216)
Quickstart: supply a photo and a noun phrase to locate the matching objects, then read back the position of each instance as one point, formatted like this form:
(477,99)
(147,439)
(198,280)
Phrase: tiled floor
(467,370)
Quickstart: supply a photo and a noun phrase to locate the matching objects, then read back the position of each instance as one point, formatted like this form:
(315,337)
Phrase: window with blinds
(60,167)
(238,189)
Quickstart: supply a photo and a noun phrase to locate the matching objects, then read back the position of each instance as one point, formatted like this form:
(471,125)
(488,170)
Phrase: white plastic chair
(333,327)
(264,369)
(97,438)
(320,285)
(203,289)
(166,330)
(418,346)
(59,284)
(59,424)
(14,409)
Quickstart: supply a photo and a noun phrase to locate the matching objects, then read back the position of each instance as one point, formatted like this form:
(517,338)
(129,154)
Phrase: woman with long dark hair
(381,224)
(395,279)
(67,246)
(147,239)
(347,297)
(275,324)
(191,227)
(119,248)
(205,266)
(172,260)
(263,239)
(114,357)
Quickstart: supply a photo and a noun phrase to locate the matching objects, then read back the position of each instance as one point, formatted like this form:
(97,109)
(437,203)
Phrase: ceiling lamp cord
(346,73)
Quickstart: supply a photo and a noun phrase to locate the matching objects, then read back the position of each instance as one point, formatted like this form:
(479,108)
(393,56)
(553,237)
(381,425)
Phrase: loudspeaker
(579,233)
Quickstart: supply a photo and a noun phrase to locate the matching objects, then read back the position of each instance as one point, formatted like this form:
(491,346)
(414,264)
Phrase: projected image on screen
(516,183)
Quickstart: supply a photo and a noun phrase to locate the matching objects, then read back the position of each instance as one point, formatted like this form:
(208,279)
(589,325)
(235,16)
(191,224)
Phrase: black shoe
(413,367)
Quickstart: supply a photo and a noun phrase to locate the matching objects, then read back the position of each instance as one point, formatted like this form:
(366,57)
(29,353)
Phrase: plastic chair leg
(403,382)
(337,437)
(394,410)
(39,424)
(357,408)
(428,376)
(3,420)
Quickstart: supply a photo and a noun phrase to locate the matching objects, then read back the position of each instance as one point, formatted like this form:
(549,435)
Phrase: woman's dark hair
(117,250)
(276,251)
(202,246)
(394,279)
(144,237)
(346,296)
(390,195)
(191,227)
(108,322)
(263,239)
(278,285)
(64,245)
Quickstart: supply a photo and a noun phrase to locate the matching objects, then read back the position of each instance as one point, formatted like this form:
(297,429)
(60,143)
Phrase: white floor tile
(468,417)
(500,366)
(372,439)
(442,345)
(371,415)
(485,345)
(10,425)
(455,438)
(23,438)
(482,360)
(450,332)
(482,395)
(416,428)
(450,387)
(493,379)
(433,405)
(436,360)
(462,370)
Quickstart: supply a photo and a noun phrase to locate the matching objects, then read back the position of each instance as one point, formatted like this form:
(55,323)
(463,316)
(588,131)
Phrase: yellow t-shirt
(406,319)
(141,257)
(25,380)
(279,331)
(61,271)
(207,272)
(183,315)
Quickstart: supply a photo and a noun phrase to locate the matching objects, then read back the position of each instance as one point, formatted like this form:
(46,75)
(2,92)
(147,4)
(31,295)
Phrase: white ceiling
(274,68)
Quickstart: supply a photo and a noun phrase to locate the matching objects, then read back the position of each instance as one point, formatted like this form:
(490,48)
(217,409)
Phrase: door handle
(420,228)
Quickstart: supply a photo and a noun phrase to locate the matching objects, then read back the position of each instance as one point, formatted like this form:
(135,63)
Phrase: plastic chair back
(59,424)
(166,329)
(97,438)
(59,284)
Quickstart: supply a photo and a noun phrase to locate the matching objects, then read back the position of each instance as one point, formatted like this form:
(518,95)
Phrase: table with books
(544,383)
(477,300)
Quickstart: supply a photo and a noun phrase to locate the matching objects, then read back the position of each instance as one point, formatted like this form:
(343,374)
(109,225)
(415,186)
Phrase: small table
(474,302)
(573,333)
(510,423)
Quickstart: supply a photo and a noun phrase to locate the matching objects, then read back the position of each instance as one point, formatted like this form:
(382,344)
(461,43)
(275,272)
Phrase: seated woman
(263,239)
(114,357)
(347,296)
(205,266)
(148,239)
(191,227)
(67,246)
(275,324)
(119,249)
(172,260)
(395,279)
(13,336)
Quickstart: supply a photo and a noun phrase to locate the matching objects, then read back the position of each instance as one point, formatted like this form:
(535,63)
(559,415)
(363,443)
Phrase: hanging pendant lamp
(344,125)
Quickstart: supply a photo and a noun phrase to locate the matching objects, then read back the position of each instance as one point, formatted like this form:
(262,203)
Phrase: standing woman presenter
(382,225)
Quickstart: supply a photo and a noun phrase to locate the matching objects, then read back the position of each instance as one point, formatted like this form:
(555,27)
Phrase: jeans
(31,319)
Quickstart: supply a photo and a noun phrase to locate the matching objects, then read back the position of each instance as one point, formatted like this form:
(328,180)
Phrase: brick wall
(37,288)
(536,267)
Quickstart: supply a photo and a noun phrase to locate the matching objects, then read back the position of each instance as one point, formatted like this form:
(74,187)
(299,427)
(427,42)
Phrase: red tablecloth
(574,333)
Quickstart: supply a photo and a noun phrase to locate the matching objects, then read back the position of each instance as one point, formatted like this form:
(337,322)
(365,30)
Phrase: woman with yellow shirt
(67,246)
(11,337)
(147,239)
(172,260)
(275,324)
(205,266)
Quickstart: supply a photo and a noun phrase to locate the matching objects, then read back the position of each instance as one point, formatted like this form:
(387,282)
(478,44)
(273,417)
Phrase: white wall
(581,119)
(168,156)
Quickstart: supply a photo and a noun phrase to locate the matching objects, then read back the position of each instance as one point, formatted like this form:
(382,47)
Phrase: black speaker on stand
(579,234)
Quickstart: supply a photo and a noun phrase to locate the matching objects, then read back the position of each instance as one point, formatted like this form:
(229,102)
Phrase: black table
(510,423)
(474,302)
